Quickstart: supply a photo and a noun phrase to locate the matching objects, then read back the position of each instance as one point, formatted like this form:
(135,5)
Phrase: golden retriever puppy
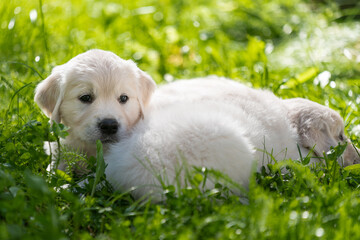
(305,116)
(97,95)
(219,124)
(201,123)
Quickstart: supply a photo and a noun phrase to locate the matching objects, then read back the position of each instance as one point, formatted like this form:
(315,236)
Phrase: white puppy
(316,125)
(269,130)
(220,124)
(204,124)
(97,95)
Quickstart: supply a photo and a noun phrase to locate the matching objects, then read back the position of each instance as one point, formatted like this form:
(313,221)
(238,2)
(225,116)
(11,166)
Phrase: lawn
(297,48)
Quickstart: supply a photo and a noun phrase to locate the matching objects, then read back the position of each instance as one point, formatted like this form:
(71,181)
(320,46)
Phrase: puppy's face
(97,94)
(320,128)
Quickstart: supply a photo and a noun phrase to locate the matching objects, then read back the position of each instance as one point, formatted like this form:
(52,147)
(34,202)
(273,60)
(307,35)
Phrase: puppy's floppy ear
(146,88)
(316,132)
(314,124)
(48,94)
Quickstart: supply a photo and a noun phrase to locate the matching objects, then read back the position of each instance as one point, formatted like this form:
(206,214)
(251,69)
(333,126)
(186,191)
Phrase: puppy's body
(220,124)
(208,127)
(269,127)
(97,95)
(314,125)
(207,137)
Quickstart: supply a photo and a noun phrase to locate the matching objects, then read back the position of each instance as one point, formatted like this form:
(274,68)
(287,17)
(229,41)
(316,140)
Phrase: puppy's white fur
(105,77)
(207,124)
(315,125)
(219,124)
(269,128)
(207,136)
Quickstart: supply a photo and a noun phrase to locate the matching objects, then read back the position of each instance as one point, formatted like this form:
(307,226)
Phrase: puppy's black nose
(108,126)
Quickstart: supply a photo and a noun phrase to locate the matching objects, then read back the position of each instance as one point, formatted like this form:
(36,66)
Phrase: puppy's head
(321,127)
(97,94)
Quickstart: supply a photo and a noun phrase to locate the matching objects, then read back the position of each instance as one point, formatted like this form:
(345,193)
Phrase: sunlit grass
(294,48)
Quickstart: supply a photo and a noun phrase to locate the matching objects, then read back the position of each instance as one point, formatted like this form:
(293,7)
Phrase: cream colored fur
(314,124)
(105,77)
(220,124)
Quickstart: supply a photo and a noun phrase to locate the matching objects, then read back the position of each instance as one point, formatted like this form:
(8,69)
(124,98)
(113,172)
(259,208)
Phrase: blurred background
(297,48)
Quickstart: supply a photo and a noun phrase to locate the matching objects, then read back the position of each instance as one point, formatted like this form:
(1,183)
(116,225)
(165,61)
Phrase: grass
(294,48)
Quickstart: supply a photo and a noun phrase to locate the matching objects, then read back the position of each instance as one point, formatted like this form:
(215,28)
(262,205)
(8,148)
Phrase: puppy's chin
(109,139)
(92,135)
(103,139)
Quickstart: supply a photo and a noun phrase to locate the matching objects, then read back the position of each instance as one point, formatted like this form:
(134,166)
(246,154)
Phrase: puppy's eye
(341,137)
(123,99)
(86,98)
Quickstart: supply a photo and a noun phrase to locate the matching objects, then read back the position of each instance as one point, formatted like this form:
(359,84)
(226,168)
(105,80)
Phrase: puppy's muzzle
(108,126)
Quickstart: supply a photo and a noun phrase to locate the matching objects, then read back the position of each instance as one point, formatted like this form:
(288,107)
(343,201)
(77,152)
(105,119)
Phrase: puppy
(204,124)
(97,95)
(270,130)
(303,116)
(220,124)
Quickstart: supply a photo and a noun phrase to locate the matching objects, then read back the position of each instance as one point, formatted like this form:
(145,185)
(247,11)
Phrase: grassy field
(297,48)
